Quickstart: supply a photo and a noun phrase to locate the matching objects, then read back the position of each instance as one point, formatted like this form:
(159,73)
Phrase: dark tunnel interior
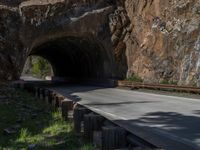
(76,58)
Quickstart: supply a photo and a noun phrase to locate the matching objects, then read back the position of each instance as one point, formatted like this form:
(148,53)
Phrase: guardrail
(120,83)
(103,133)
(175,88)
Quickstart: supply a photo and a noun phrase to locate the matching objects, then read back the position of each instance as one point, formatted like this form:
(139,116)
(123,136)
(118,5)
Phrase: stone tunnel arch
(74,37)
(76,57)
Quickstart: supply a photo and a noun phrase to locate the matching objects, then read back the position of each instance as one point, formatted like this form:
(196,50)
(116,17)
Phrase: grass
(36,124)
(134,78)
(168,82)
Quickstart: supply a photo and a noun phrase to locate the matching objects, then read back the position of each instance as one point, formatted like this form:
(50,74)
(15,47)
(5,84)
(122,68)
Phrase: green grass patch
(35,124)
(87,147)
(168,82)
(134,78)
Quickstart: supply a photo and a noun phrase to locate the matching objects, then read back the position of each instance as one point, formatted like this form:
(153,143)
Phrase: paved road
(30,78)
(170,122)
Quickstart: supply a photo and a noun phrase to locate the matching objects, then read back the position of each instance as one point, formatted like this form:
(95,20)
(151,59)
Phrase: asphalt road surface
(170,122)
(30,78)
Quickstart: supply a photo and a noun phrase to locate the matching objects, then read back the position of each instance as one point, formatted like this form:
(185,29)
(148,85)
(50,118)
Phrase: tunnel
(78,58)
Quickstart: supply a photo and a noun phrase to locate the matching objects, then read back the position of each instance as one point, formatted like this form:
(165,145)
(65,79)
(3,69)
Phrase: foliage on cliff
(38,67)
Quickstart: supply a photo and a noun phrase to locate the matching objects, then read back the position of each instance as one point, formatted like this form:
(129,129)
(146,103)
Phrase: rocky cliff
(163,40)
(154,39)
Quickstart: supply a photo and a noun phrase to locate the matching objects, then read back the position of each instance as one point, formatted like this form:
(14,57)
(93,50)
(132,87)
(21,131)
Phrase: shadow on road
(169,123)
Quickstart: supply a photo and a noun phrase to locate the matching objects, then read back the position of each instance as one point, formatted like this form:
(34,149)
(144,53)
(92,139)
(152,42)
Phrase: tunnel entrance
(79,58)
(37,67)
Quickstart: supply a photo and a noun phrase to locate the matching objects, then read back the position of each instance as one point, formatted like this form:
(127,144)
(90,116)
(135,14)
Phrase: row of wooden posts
(98,130)
(86,122)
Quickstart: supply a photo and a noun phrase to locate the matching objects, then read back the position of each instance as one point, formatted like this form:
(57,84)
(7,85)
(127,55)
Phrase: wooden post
(21,86)
(70,103)
(32,88)
(134,140)
(37,92)
(29,87)
(97,139)
(92,122)
(41,94)
(50,97)
(46,95)
(58,101)
(66,106)
(78,116)
(113,138)
(16,85)
(53,103)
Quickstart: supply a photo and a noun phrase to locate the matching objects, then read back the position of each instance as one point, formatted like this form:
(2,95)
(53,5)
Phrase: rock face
(154,39)
(162,40)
